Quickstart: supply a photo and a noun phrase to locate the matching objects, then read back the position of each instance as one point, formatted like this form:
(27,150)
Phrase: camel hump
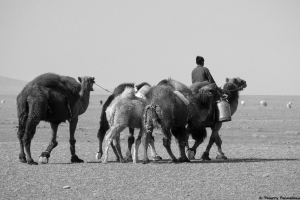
(65,83)
(205,85)
(128,93)
(142,91)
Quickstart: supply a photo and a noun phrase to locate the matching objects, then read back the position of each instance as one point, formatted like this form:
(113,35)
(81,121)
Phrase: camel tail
(152,117)
(22,109)
(103,119)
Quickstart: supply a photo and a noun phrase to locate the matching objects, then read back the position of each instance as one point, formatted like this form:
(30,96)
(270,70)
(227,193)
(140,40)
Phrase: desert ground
(262,145)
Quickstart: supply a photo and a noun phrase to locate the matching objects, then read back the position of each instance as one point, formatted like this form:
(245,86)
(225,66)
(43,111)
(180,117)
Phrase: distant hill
(10,86)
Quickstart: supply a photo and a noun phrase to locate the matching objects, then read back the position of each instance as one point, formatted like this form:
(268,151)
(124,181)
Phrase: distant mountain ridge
(10,86)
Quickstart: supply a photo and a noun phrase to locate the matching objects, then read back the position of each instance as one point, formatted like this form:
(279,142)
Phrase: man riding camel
(201,73)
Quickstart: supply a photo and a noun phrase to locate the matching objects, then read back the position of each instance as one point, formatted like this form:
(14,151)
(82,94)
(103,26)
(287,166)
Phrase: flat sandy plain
(262,144)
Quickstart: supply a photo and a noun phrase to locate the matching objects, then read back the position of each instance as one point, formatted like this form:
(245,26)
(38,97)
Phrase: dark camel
(175,109)
(232,87)
(55,99)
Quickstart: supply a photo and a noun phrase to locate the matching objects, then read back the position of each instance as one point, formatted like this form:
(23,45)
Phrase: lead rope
(103,88)
(236,88)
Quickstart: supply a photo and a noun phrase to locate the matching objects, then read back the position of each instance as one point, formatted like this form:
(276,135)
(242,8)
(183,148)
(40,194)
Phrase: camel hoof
(205,156)
(173,161)
(23,160)
(104,162)
(32,163)
(122,160)
(191,154)
(98,156)
(43,160)
(75,159)
(221,157)
(128,158)
(157,158)
(183,159)
(145,161)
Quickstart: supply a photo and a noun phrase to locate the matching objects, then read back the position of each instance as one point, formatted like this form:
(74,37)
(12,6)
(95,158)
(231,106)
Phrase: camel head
(238,82)
(87,82)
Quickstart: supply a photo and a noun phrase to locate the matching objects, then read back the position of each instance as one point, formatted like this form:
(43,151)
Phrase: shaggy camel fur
(104,125)
(232,88)
(55,99)
(168,111)
(126,111)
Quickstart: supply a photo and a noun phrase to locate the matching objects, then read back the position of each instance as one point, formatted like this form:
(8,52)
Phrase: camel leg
(27,137)
(20,134)
(72,127)
(192,151)
(136,149)
(130,143)
(22,156)
(44,157)
(115,152)
(117,146)
(213,138)
(146,138)
(137,144)
(104,126)
(37,107)
(180,135)
(167,144)
(220,154)
(109,138)
(154,155)
(198,132)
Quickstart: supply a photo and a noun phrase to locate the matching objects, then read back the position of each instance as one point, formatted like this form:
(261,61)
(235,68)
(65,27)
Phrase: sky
(138,41)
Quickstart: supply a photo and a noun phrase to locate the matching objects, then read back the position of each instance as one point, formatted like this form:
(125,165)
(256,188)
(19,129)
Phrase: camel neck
(233,99)
(84,100)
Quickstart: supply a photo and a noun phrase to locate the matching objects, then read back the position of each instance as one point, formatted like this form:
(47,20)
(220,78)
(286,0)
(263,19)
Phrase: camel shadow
(168,161)
(233,160)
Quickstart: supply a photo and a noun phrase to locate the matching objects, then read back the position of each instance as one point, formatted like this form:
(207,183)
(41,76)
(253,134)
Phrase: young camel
(126,111)
(55,99)
(140,91)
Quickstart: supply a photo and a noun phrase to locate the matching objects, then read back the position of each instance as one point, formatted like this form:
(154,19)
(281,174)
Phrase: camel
(172,106)
(104,125)
(126,111)
(232,87)
(55,99)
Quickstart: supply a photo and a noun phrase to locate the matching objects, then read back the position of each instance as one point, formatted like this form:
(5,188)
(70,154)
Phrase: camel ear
(79,79)
(227,79)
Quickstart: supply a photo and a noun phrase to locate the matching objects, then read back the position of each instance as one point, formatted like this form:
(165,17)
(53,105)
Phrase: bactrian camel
(126,111)
(232,87)
(55,99)
(176,113)
(140,90)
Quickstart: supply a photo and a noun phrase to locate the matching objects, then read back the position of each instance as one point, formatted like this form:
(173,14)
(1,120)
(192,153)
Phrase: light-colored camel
(140,90)
(126,111)
(232,87)
(55,99)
